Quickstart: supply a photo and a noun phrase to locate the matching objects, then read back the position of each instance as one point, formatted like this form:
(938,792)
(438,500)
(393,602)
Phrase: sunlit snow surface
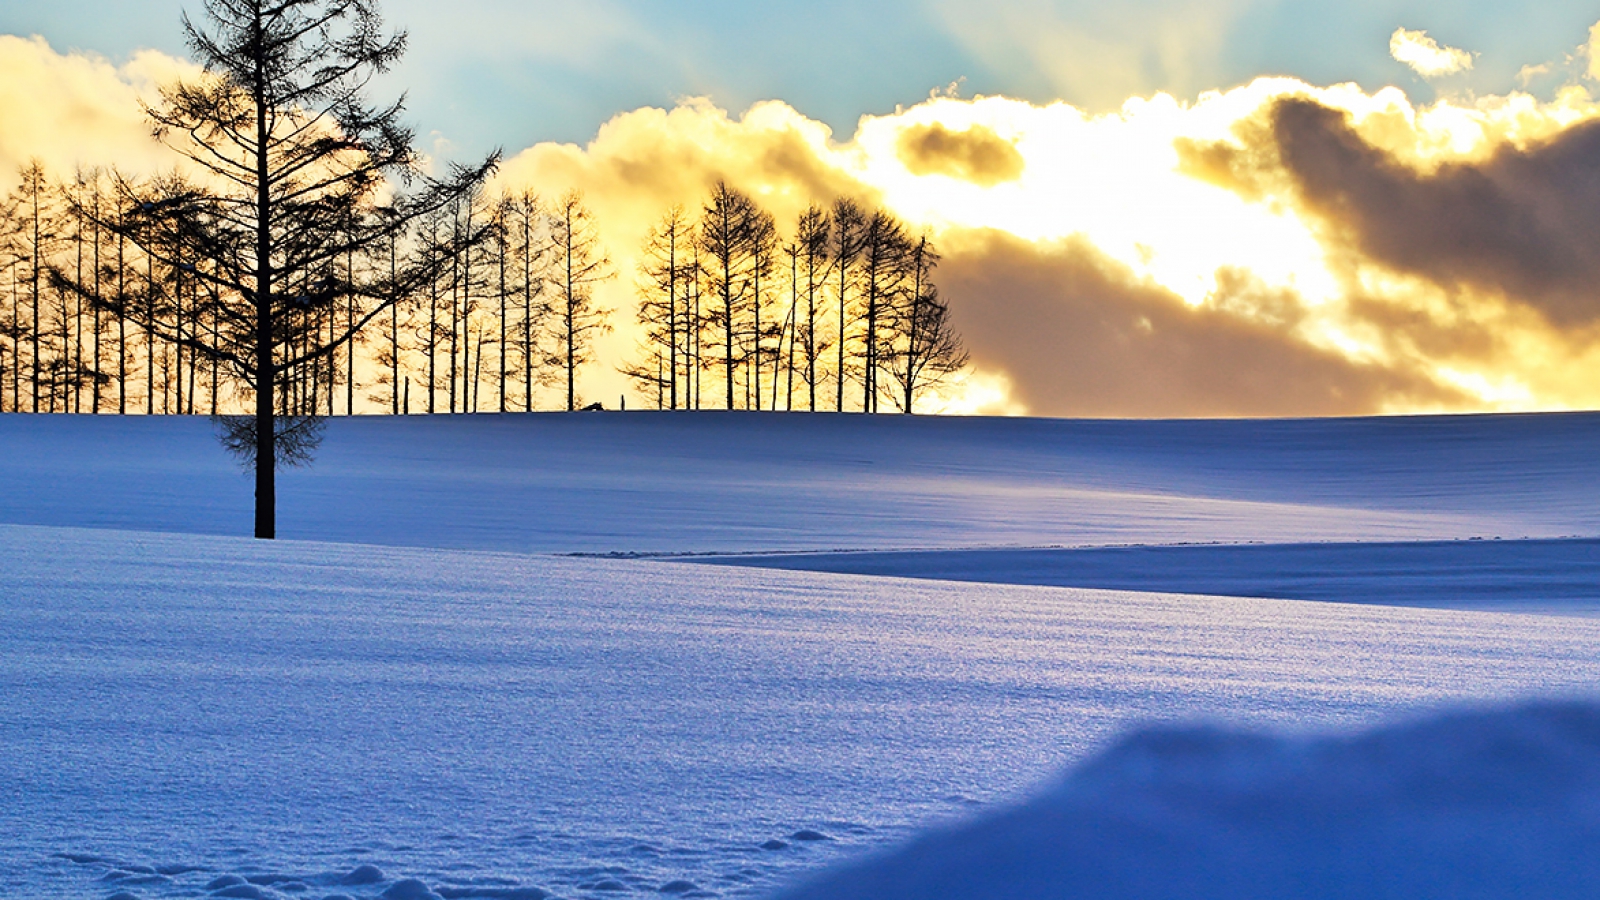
(483,722)
(189,715)
(737,482)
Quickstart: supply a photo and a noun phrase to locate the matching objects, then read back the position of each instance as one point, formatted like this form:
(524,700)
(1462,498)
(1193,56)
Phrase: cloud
(1279,248)
(1521,223)
(74,109)
(1077,334)
(1426,56)
(977,154)
(1591,49)
(643,162)
(1465,259)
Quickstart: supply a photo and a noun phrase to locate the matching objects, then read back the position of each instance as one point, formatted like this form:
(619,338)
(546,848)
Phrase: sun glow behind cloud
(1173,257)
(1135,187)
(1115,179)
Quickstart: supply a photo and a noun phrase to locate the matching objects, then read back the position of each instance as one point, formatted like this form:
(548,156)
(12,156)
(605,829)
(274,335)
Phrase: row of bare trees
(496,310)
(840,316)
(102,312)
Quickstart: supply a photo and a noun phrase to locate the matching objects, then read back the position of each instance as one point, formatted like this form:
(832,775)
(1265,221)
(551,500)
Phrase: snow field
(743,482)
(471,722)
(186,716)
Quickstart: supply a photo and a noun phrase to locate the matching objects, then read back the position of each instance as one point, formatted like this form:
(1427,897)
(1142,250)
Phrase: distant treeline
(840,314)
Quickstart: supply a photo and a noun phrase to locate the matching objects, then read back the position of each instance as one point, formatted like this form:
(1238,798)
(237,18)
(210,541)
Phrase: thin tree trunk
(839,400)
(527,307)
(504,245)
(266,374)
(350,345)
(756,344)
(216,366)
(150,336)
(394,330)
(433,341)
(455,311)
(34,274)
(672,316)
(16,342)
(122,325)
(794,306)
(811,327)
(96,303)
(177,329)
(572,339)
(333,352)
(75,379)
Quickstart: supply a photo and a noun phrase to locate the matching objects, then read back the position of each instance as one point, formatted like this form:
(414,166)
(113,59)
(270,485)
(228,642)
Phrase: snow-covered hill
(405,703)
(183,711)
(733,482)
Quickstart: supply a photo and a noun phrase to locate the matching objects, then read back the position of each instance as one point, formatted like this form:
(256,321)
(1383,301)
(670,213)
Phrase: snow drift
(1496,804)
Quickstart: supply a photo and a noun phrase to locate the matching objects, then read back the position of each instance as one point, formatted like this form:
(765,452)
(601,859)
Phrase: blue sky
(484,73)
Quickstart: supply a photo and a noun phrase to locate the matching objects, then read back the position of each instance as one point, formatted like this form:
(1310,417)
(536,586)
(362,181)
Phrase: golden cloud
(977,154)
(77,110)
(1170,257)
(1519,224)
(1079,334)
(1426,56)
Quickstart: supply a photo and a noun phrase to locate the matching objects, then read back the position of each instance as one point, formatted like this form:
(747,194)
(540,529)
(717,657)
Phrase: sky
(509,73)
(1155,208)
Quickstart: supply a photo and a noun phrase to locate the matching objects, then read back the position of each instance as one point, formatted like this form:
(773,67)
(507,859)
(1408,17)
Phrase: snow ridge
(1469,804)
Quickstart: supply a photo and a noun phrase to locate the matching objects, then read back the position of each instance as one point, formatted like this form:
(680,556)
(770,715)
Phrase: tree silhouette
(727,234)
(925,349)
(663,287)
(579,265)
(884,251)
(295,173)
(812,234)
(849,222)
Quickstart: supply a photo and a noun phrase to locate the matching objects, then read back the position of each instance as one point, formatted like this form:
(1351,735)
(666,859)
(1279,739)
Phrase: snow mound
(1480,804)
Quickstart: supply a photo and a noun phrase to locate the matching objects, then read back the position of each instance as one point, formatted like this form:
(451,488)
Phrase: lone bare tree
(294,173)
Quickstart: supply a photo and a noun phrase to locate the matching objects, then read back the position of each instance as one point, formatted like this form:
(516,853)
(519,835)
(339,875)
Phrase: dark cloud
(1078,335)
(977,154)
(1523,223)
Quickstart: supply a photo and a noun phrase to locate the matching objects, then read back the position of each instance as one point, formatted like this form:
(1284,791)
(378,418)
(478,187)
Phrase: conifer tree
(294,171)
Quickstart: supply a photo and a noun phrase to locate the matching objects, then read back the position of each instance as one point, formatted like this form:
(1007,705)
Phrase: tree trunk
(266,448)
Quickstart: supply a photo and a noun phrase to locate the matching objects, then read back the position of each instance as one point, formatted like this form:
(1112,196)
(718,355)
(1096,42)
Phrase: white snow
(1471,804)
(733,482)
(291,711)
(404,703)
(1558,577)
